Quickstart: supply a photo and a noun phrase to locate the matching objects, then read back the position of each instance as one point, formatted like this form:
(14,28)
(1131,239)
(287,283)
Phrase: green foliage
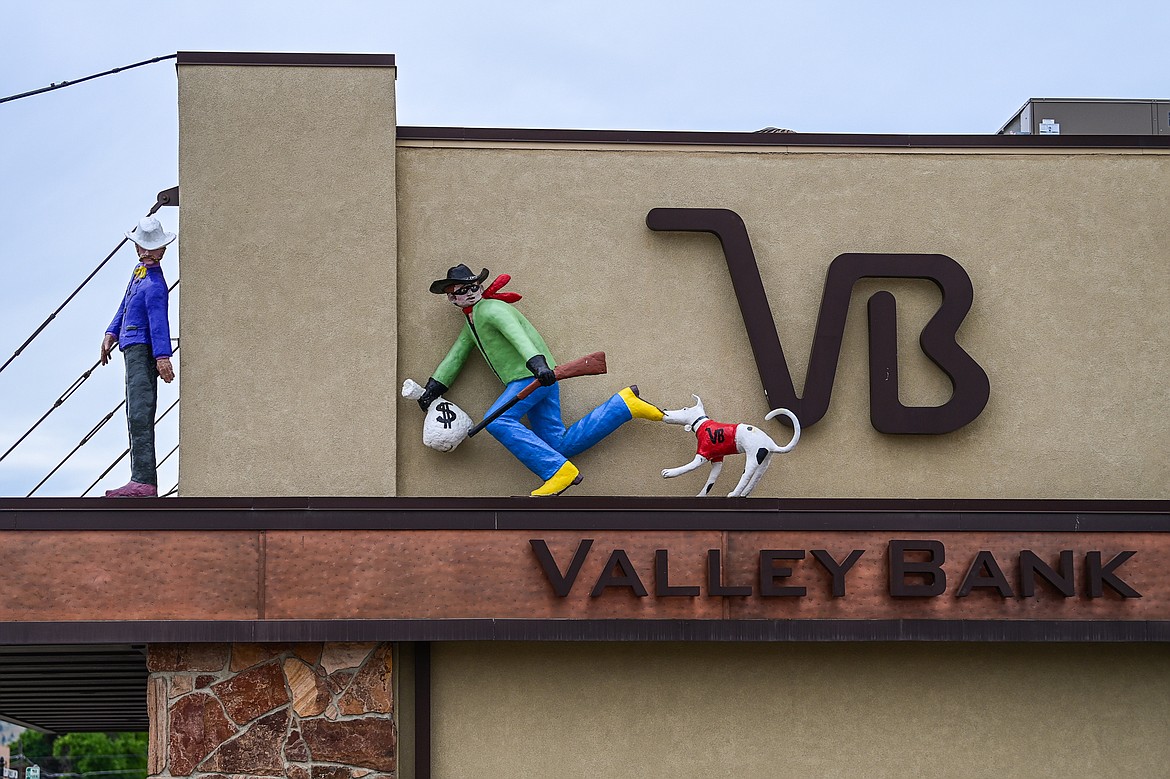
(134,746)
(102,754)
(32,742)
(37,748)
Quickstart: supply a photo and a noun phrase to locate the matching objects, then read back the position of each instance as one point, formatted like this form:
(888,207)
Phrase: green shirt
(505,339)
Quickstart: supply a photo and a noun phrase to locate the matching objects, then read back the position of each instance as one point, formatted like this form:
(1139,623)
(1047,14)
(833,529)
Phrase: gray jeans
(141,404)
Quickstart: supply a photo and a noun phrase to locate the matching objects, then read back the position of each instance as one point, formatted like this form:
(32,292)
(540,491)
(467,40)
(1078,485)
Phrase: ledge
(285,58)
(728,630)
(757,139)
(586,513)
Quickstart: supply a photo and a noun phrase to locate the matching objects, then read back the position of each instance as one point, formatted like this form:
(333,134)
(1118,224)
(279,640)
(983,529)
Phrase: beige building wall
(309,239)
(1066,252)
(288,240)
(799,710)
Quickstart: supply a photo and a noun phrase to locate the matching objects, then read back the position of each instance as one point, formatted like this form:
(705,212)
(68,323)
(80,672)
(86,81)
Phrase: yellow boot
(639,408)
(566,476)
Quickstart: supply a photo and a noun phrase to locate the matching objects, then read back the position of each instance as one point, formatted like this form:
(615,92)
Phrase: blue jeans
(547,444)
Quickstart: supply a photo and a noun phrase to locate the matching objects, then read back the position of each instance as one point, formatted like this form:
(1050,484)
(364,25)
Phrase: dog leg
(748,471)
(670,473)
(759,474)
(715,469)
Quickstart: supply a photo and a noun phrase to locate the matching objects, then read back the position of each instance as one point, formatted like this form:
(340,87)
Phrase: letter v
(561,584)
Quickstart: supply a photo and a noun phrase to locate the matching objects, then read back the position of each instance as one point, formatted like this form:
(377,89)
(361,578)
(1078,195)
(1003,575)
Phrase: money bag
(445,425)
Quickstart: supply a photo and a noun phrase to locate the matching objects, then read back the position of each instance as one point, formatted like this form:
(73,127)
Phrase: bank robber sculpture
(523,362)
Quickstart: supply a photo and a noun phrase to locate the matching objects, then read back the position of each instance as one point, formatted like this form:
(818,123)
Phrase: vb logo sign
(887,414)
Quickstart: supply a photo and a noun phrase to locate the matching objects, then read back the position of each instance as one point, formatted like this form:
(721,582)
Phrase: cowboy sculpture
(143,333)
(516,353)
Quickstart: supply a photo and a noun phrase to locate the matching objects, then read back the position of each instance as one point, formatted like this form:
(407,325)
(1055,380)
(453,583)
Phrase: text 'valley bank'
(917,569)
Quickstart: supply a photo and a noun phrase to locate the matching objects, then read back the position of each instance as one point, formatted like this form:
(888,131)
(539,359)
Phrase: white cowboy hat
(149,234)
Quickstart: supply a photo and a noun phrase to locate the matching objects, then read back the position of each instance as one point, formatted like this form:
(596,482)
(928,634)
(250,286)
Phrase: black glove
(539,367)
(433,390)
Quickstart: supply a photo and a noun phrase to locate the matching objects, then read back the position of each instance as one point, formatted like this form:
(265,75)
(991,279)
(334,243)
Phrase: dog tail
(795,428)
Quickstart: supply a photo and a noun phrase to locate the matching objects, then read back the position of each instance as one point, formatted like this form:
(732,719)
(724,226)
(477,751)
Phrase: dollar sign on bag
(446,415)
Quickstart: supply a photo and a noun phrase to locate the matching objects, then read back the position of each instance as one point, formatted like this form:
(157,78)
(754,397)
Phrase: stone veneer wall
(305,711)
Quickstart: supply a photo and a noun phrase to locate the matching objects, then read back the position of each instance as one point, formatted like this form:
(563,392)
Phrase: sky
(79,166)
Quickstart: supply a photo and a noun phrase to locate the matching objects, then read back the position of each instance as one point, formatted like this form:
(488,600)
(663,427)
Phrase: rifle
(589,365)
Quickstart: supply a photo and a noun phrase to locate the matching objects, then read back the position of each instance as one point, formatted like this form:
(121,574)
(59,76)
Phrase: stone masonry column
(303,711)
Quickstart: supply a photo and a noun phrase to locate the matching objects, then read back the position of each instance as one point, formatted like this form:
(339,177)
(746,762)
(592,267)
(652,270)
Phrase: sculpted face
(464,295)
(149,256)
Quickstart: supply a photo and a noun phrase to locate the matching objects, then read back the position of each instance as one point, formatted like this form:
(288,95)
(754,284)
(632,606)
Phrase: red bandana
(493,292)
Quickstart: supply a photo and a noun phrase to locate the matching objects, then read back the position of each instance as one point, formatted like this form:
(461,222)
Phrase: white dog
(717,440)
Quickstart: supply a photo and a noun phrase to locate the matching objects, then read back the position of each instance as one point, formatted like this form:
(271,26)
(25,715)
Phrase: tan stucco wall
(309,238)
(288,242)
(799,710)
(300,322)
(1066,252)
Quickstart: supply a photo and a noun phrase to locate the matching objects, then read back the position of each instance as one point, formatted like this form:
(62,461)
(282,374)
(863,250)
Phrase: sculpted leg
(715,470)
(748,472)
(670,473)
(759,474)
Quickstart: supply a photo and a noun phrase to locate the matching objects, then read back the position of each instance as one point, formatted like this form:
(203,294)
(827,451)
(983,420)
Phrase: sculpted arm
(157,315)
(157,312)
(110,339)
(449,368)
(444,375)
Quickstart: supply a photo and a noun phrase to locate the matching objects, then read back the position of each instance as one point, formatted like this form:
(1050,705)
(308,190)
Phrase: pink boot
(134,489)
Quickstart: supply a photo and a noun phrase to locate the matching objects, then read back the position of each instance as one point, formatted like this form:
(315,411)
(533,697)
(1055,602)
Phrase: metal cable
(174,449)
(63,84)
(53,315)
(171,491)
(166,197)
(56,404)
(125,452)
(85,439)
(91,773)
(68,392)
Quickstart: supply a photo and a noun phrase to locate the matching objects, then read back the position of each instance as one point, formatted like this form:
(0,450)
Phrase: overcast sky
(80,165)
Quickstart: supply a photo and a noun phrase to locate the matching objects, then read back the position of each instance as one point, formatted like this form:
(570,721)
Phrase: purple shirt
(142,317)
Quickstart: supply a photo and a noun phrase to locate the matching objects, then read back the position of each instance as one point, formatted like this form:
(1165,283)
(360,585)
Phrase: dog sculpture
(717,440)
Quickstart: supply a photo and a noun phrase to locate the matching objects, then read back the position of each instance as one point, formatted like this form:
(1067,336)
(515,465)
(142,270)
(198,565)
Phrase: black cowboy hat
(460,274)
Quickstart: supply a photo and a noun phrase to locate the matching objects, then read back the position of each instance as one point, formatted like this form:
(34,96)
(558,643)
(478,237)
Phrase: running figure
(516,353)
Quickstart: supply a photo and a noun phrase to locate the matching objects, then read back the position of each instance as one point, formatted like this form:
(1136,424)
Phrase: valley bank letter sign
(914,569)
(852,575)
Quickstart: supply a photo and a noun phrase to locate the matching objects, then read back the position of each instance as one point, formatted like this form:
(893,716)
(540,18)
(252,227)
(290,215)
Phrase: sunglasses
(464,290)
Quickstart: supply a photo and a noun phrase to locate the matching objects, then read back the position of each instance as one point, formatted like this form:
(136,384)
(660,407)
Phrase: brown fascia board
(757,139)
(561,630)
(285,58)
(586,513)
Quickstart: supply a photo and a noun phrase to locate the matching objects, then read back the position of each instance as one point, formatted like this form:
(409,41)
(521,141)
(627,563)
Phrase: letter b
(935,578)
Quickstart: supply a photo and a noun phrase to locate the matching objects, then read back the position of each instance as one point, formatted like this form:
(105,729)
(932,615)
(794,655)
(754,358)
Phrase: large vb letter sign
(970,385)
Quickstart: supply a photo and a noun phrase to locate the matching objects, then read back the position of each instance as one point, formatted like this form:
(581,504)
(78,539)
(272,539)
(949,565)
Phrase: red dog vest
(716,440)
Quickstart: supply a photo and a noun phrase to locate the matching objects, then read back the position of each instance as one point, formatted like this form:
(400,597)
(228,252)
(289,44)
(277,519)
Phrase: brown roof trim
(170,631)
(688,138)
(285,58)
(585,513)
